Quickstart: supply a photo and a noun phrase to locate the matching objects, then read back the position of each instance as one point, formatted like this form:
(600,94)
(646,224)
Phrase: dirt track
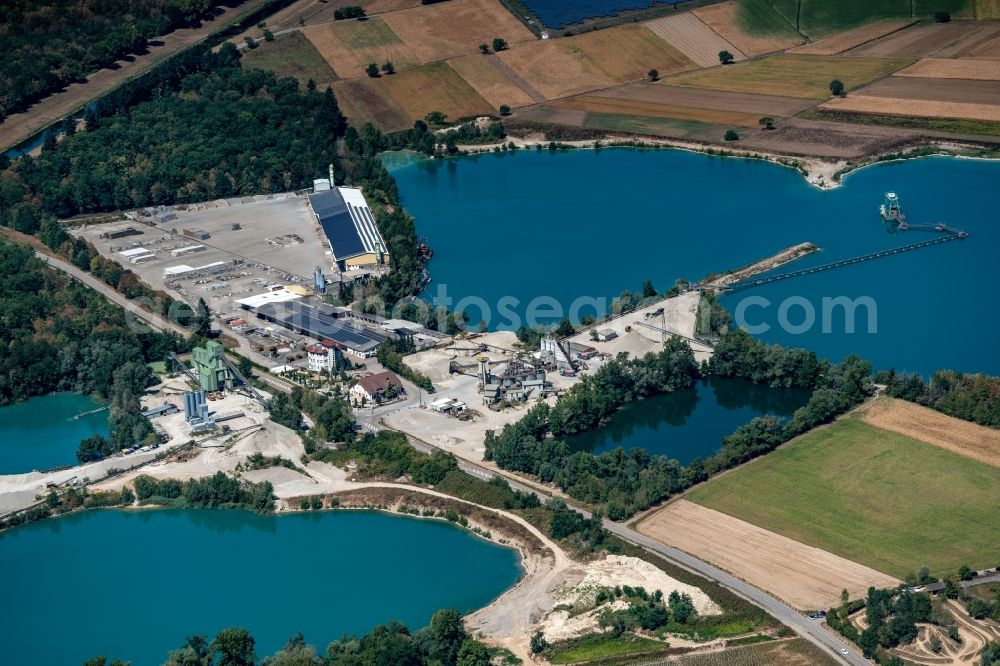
(907,418)
(801,575)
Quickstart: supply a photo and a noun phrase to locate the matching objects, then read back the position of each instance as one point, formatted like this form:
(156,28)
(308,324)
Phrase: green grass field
(760,17)
(291,54)
(605,645)
(877,498)
(818,18)
(803,76)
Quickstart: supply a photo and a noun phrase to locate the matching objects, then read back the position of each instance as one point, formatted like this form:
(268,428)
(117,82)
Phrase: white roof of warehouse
(280,296)
(134,252)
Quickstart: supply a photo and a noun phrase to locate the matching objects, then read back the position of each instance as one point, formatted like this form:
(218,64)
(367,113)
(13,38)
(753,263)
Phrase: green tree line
(971,397)
(624,482)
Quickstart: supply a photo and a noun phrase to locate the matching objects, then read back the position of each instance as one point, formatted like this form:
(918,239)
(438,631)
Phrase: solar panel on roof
(340,230)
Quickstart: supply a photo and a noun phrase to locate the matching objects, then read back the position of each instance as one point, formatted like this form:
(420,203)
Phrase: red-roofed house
(376,388)
(325,356)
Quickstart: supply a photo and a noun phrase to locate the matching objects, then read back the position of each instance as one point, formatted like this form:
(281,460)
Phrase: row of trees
(624,482)
(48,45)
(444,642)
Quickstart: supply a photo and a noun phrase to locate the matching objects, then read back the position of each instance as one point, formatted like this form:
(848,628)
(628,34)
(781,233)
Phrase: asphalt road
(811,630)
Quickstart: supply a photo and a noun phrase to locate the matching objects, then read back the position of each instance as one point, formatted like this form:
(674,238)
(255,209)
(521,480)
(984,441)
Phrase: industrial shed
(349,226)
(313,321)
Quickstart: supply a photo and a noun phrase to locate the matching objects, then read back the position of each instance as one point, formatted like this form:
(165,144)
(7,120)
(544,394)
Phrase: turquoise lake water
(41,433)
(689,424)
(592,223)
(134,585)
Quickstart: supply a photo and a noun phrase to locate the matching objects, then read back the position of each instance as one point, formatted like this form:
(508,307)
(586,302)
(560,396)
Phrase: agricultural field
(850,39)
(434,87)
(935,40)
(790,652)
(596,103)
(791,75)
(482,73)
(571,65)
(291,54)
(912,96)
(986,9)
(457,27)
(806,577)
(885,121)
(602,646)
(937,68)
(349,46)
(690,36)
(714,100)
(875,497)
(819,18)
(364,101)
(752,26)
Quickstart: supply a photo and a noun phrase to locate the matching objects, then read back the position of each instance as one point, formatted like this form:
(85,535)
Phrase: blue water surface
(560,13)
(42,433)
(135,584)
(591,223)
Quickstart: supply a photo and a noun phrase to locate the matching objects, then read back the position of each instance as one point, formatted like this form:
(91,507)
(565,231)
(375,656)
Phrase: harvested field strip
(363,101)
(845,41)
(291,54)
(876,497)
(628,52)
(482,74)
(599,104)
(925,39)
(907,418)
(803,576)
(355,44)
(457,27)
(765,105)
(942,90)
(954,125)
(435,87)
(567,66)
(909,107)
(936,68)
(790,75)
(722,18)
(652,126)
(690,36)
(988,50)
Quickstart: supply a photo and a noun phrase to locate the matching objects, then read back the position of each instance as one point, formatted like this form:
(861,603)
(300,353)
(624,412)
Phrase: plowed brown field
(689,35)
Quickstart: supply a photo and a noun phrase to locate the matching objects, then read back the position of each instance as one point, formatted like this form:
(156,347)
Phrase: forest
(50,44)
(227,132)
(444,642)
(624,482)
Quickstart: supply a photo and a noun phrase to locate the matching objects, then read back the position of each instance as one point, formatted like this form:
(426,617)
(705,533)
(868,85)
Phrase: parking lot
(261,241)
